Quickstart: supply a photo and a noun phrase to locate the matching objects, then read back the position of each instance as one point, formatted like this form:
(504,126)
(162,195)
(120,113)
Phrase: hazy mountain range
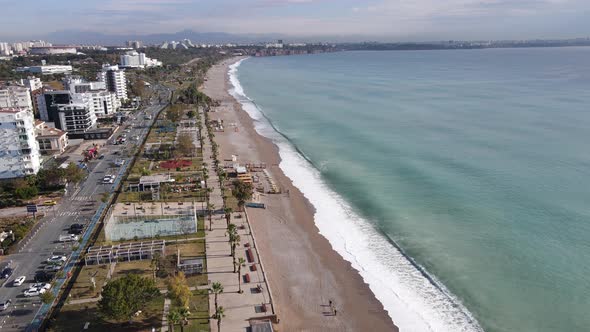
(92,37)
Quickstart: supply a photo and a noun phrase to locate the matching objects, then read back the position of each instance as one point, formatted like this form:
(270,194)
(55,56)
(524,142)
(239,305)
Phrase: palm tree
(219,314)
(235,239)
(210,208)
(228,212)
(216,288)
(241,261)
(173,319)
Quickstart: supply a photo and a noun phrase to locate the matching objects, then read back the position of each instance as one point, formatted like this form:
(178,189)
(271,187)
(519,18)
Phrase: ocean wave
(415,300)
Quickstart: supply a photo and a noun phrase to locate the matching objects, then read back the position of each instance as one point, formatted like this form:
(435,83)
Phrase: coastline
(304,271)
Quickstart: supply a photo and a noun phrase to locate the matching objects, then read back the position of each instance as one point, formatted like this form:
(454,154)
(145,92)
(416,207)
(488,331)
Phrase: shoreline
(304,271)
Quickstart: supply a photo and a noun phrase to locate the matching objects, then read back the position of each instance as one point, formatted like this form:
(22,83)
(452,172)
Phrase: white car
(120,162)
(42,285)
(34,292)
(56,259)
(19,281)
(108,179)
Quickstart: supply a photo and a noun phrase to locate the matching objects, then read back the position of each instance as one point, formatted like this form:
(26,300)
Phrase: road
(78,206)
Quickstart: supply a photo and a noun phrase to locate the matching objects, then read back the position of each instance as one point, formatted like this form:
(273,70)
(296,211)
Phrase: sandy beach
(304,272)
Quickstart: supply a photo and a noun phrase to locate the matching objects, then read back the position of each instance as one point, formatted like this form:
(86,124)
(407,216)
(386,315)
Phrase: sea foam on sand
(415,300)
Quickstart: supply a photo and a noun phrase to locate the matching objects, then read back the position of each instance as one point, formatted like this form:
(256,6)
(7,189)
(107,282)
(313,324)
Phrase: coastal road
(78,206)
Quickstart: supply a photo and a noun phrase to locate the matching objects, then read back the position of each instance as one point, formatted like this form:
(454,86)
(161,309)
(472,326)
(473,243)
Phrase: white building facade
(19,149)
(15,96)
(115,80)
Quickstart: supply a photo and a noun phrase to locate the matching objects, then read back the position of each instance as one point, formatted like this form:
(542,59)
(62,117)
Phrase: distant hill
(92,37)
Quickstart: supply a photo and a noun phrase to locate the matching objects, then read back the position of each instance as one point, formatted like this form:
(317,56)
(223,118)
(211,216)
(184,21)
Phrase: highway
(77,206)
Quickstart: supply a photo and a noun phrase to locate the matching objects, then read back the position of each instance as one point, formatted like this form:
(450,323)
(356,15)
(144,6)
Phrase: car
(101,156)
(68,238)
(76,229)
(42,285)
(56,259)
(50,203)
(52,268)
(19,281)
(44,276)
(120,162)
(34,292)
(4,305)
(6,273)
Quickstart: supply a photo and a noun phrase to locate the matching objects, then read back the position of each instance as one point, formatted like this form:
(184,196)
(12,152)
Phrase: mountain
(93,37)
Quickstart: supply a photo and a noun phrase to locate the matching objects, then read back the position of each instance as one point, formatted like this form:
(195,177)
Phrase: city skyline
(383,20)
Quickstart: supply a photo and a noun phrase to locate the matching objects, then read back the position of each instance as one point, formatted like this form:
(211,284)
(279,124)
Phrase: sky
(384,20)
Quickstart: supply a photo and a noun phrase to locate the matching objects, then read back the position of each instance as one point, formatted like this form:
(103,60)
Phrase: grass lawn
(73,318)
(82,288)
(230,200)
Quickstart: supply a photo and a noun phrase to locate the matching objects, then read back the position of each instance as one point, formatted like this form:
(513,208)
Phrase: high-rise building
(19,150)
(115,80)
(35,87)
(5,49)
(136,44)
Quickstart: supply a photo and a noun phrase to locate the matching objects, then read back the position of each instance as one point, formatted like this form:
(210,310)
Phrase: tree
(184,145)
(241,261)
(184,315)
(228,212)
(210,209)
(47,297)
(191,114)
(242,191)
(217,289)
(219,314)
(174,113)
(138,87)
(123,297)
(73,173)
(155,264)
(234,239)
(179,290)
(173,319)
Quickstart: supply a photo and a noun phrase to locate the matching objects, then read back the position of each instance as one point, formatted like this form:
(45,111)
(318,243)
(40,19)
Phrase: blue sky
(395,20)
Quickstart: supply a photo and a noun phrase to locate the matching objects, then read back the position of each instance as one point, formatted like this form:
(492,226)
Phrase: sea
(456,182)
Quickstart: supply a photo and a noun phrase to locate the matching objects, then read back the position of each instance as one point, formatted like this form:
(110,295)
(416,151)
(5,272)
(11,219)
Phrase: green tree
(74,173)
(123,297)
(179,290)
(242,191)
(174,113)
(240,262)
(47,297)
(219,314)
(191,114)
(184,315)
(228,212)
(173,318)
(184,145)
(217,289)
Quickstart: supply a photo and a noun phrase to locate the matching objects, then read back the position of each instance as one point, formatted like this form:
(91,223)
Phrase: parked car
(76,229)
(56,259)
(6,273)
(101,156)
(19,281)
(4,305)
(44,276)
(120,162)
(68,238)
(52,268)
(50,203)
(42,285)
(34,292)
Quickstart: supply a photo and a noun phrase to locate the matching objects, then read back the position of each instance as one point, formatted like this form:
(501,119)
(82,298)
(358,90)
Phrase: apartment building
(19,150)
(115,80)
(15,96)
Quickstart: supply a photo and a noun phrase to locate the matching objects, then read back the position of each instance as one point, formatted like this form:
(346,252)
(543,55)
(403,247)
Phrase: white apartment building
(19,150)
(32,83)
(15,96)
(115,80)
(5,49)
(103,102)
(132,59)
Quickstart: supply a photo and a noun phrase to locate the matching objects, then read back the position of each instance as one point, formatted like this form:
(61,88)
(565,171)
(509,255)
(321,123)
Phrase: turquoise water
(475,163)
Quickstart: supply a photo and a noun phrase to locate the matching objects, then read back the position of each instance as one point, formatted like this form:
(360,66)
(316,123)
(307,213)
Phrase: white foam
(414,302)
